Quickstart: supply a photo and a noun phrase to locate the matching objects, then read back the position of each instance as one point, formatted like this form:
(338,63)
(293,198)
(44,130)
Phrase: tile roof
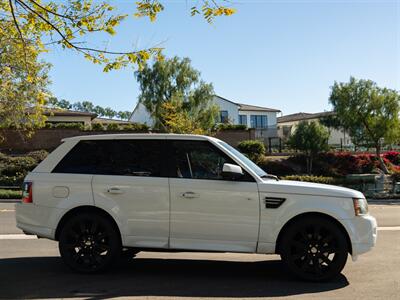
(301,116)
(247,107)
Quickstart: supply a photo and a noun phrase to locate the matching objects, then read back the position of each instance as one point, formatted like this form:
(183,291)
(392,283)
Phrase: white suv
(100,195)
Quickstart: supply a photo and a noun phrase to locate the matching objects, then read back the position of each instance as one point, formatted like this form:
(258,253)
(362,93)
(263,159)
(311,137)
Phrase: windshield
(244,159)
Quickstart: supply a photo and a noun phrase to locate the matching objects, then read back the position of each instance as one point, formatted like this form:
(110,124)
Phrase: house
(106,121)
(288,124)
(262,119)
(55,116)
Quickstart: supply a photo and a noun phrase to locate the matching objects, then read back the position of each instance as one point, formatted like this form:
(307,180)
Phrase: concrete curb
(10,200)
(384,201)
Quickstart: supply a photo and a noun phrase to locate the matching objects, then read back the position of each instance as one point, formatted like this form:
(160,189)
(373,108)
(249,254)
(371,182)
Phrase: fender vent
(272,202)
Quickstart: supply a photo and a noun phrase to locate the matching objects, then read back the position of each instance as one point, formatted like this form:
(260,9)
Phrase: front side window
(199,160)
(244,159)
(114,157)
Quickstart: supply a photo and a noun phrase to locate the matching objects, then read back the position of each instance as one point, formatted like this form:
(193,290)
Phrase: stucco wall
(231,108)
(234,137)
(141,115)
(49,139)
(335,137)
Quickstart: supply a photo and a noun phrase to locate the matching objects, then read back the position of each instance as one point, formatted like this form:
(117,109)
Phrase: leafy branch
(78,18)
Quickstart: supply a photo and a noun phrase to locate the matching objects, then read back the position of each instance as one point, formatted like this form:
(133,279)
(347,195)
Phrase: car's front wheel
(89,243)
(314,248)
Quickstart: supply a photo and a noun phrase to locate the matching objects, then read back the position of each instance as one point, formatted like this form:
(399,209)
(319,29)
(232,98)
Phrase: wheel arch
(84,209)
(309,214)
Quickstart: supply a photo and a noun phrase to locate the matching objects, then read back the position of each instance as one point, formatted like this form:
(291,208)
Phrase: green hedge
(100,127)
(254,149)
(231,127)
(97,127)
(10,194)
(315,179)
(13,169)
(343,181)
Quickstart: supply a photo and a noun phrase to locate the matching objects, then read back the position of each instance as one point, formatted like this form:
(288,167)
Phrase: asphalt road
(32,269)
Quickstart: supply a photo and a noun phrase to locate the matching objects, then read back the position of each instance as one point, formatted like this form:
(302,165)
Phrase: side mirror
(232,172)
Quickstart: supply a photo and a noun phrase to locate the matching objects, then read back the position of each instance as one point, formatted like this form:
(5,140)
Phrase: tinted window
(199,160)
(114,157)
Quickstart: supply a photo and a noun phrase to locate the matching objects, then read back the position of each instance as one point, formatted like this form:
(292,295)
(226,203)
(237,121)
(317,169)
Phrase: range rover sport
(100,195)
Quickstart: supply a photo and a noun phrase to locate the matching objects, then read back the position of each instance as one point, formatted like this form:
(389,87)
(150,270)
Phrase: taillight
(27,192)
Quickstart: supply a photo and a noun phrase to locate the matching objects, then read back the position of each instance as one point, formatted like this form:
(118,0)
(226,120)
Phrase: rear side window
(114,157)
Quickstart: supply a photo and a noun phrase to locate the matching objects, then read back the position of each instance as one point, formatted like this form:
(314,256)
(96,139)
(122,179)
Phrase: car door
(131,184)
(209,212)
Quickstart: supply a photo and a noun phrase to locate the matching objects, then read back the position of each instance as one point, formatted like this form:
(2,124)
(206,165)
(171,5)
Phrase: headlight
(360,206)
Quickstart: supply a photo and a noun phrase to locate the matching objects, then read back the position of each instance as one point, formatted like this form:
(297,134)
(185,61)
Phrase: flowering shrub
(393,157)
(342,163)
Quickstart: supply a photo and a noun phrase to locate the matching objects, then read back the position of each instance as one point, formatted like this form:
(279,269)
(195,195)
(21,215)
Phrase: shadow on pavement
(47,277)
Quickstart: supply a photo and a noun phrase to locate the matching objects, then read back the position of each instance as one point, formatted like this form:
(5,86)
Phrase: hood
(308,188)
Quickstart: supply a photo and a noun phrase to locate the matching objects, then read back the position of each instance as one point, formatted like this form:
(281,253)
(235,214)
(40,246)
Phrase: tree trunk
(309,164)
(382,163)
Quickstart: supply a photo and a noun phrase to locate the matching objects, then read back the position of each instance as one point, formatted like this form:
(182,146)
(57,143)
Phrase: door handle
(190,195)
(115,190)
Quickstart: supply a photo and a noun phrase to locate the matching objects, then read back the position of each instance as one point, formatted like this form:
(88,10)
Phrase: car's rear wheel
(314,248)
(129,253)
(89,243)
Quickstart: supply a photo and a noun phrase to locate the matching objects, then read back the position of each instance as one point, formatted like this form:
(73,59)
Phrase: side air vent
(272,202)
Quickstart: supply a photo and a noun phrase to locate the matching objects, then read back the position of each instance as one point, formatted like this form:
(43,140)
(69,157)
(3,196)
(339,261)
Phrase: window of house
(223,116)
(242,119)
(258,121)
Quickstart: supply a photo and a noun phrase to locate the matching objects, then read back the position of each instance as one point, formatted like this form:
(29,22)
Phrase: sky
(278,54)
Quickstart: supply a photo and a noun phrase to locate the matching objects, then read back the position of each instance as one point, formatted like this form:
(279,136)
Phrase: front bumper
(363,233)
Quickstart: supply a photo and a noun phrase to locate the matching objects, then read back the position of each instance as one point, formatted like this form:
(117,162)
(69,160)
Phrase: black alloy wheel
(89,243)
(314,248)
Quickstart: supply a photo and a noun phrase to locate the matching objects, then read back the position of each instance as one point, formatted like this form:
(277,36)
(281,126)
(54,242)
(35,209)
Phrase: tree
(311,138)
(29,28)
(175,119)
(69,23)
(88,106)
(23,91)
(369,113)
(176,80)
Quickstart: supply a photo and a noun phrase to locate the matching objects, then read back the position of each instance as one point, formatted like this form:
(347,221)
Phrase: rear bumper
(37,220)
(363,233)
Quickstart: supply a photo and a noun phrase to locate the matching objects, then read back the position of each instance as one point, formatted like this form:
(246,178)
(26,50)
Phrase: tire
(89,243)
(314,248)
(128,254)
